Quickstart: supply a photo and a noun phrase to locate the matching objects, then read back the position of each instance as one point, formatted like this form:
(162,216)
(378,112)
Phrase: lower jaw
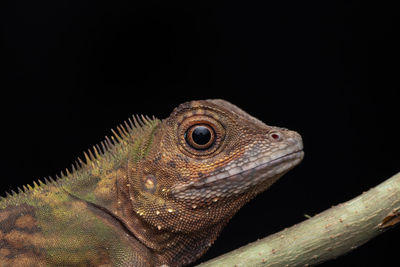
(254,180)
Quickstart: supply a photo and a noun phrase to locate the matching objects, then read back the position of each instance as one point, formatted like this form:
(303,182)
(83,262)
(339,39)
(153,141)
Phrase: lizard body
(157,193)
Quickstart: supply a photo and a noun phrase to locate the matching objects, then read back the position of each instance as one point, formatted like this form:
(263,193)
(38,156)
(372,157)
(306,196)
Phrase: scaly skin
(158,195)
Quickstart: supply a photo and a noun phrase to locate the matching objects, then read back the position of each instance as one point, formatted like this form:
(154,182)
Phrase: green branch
(325,236)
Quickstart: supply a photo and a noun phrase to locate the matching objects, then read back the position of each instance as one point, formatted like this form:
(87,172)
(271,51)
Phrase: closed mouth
(250,173)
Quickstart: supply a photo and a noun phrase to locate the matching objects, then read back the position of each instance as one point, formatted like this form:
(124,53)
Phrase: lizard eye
(200,136)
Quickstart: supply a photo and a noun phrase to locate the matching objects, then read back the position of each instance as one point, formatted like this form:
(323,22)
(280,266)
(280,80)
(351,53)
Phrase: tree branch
(325,236)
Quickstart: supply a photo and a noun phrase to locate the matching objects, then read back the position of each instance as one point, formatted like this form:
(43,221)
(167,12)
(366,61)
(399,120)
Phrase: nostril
(275,136)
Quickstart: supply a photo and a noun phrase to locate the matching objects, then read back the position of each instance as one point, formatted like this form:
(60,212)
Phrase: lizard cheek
(149,183)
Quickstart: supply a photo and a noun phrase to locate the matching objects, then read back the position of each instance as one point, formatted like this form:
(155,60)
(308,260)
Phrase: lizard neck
(103,181)
(98,180)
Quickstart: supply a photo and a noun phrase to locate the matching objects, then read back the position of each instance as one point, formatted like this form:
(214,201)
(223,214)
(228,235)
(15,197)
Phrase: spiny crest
(21,192)
(124,134)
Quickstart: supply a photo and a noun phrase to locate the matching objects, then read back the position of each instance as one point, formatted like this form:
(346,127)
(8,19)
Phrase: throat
(167,245)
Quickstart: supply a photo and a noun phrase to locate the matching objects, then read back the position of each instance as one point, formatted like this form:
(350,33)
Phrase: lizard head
(206,160)
(228,152)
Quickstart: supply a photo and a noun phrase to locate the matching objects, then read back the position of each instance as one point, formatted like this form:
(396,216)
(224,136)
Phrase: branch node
(391,219)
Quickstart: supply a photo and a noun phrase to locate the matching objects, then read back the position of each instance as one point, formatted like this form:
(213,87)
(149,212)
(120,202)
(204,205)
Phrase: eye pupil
(201,135)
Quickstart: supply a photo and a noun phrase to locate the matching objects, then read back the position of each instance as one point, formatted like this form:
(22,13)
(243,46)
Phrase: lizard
(155,193)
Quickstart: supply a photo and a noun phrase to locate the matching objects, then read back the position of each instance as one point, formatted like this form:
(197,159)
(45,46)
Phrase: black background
(327,69)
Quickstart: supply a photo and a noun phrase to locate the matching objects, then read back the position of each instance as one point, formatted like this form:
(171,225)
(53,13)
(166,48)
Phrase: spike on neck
(101,158)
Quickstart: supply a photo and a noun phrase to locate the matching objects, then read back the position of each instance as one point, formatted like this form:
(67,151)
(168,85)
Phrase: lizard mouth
(254,169)
(240,178)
